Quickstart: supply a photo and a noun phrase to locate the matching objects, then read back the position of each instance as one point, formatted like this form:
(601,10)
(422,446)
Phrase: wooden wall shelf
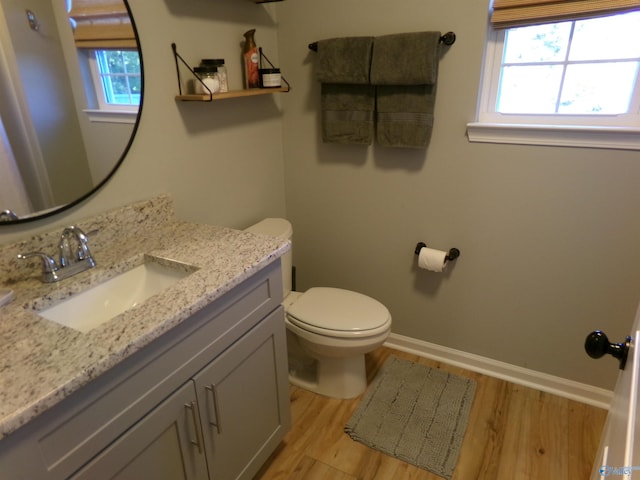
(251,92)
(197,97)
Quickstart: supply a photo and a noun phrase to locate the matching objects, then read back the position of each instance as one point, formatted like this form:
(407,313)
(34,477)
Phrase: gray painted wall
(50,100)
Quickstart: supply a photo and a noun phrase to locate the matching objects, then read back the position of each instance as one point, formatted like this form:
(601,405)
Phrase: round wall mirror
(71,87)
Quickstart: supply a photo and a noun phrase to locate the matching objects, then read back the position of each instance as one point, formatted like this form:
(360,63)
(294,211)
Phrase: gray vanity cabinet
(207,400)
(237,409)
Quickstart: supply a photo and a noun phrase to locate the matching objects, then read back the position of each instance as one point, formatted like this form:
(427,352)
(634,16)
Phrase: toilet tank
(281,228)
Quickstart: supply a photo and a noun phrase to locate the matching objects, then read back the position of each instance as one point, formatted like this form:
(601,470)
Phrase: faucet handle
(48,263)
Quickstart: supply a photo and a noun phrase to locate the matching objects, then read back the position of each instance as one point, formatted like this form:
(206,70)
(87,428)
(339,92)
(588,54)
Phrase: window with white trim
(117,79)
(572,82)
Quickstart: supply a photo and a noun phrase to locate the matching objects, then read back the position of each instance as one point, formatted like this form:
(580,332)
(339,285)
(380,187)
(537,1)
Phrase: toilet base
(343,378)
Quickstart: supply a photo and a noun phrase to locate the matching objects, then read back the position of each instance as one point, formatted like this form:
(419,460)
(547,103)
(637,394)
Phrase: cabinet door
(244,401)
(165,445)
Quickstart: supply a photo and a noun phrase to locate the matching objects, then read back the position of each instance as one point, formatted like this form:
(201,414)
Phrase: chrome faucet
(74,256)
(8,215)
(68,254)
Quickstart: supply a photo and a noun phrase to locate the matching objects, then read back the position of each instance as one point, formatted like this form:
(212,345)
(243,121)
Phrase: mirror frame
(55,210)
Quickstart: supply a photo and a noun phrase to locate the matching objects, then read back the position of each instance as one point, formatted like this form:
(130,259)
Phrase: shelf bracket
(177,57)
(262,55)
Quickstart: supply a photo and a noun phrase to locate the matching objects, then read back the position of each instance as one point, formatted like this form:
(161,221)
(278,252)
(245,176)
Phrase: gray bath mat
(415,413)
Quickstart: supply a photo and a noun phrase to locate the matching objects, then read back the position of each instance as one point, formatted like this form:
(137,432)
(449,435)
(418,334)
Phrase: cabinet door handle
(214,399)
(194,417)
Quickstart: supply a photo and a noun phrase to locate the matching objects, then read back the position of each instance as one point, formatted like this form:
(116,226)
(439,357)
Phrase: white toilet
(329,330)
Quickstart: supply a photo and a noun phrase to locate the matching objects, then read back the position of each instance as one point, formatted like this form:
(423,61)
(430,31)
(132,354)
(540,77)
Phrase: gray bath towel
(347,113)
(347,98)
(404,68)
(406,59)
(404,115)
(345,60)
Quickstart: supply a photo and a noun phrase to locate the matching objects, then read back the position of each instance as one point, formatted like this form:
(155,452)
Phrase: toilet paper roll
(432,259)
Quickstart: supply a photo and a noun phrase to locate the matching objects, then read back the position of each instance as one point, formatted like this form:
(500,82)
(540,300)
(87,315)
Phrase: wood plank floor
(513,433)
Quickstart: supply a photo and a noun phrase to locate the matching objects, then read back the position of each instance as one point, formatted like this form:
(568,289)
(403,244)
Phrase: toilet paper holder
(452,255)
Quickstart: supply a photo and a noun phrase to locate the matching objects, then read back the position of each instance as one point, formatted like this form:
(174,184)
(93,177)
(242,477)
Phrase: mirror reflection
(70,94)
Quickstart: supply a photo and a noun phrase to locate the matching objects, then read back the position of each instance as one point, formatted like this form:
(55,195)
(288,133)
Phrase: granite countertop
(42,362)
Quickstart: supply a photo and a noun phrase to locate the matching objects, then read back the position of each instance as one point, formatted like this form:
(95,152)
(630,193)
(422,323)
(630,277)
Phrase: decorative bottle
(251,58)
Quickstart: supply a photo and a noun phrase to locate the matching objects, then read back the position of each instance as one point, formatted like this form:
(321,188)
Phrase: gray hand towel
(404,68)
(347,98)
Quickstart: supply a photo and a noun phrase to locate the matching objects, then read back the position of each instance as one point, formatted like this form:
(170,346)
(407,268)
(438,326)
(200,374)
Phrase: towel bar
(448,38)
(452,255)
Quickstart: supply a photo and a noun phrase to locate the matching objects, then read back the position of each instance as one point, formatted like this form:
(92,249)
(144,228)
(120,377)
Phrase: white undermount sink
(90,308)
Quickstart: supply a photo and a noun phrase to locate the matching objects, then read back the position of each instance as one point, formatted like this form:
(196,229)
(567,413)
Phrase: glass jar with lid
(222,71)
(209,77)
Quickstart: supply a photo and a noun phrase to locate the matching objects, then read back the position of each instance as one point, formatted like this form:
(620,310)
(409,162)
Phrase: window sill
(618,138)
(112,116)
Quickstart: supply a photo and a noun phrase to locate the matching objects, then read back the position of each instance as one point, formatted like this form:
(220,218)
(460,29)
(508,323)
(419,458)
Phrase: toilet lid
(340,311)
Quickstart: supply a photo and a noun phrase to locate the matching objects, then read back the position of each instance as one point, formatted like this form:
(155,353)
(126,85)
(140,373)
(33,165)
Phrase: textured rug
(416,414)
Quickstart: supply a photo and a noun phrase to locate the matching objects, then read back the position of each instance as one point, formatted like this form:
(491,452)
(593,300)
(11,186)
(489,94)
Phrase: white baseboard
(581,392)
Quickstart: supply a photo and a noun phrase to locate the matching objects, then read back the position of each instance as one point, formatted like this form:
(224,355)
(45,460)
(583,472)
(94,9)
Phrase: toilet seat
(339,313)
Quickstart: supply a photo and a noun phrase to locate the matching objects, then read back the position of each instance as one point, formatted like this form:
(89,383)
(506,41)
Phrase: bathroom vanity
(192,383)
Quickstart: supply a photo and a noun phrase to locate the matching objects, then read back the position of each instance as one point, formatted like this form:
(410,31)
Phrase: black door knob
(597,344)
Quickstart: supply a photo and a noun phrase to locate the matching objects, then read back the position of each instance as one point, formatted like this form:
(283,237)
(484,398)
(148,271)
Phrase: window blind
(103,24)
(516,13)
